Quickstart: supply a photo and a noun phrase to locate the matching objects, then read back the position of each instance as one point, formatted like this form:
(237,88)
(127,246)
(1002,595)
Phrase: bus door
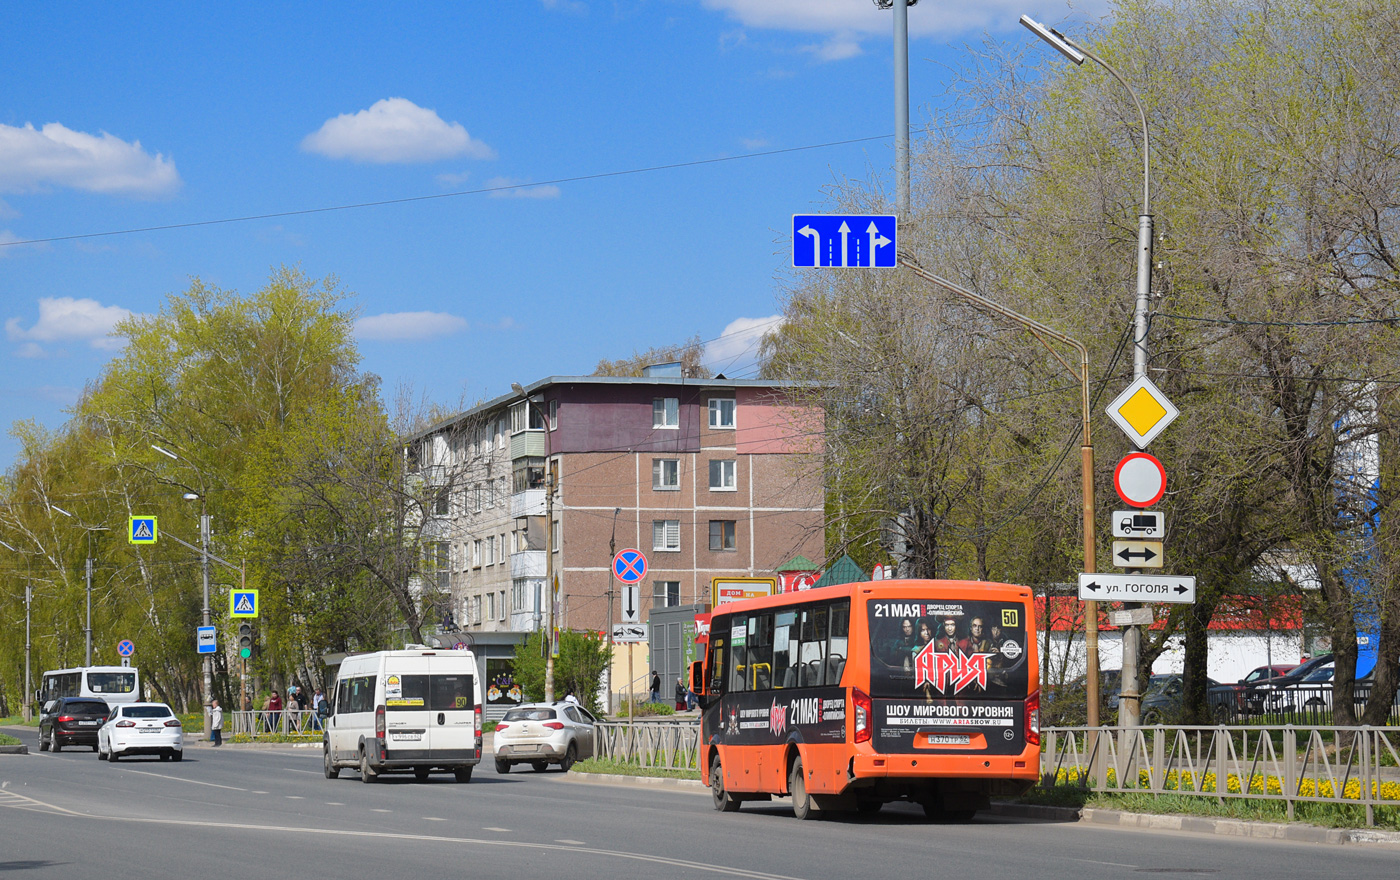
(948,675)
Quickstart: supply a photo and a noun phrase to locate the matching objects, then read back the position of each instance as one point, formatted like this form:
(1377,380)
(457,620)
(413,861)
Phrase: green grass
(619,768)
(1326,815)
(18,721)
(7,740)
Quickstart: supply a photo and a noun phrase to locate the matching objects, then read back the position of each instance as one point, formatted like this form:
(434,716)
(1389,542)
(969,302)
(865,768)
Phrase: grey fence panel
(261,723)
(669,745)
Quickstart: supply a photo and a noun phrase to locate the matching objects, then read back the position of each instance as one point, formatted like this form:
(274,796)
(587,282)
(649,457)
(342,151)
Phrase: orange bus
(849,697)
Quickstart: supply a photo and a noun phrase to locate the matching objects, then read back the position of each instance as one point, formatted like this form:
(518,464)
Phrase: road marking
(501,830)
(433,819)
(677,865)
(334,804)
(383,811)
(294,770)
(295,797)
(1112,864)
(571,842)
(191,781)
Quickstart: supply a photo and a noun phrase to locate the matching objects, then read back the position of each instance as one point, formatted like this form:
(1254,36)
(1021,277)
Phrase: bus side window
(717,645)
(840,631)
(760,653)
(811,652)
(784,672)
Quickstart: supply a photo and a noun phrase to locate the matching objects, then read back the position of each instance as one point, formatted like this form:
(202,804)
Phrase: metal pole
(208,659)
(549,578)
(612,553)
(901,108)
(87,633)
(28,685)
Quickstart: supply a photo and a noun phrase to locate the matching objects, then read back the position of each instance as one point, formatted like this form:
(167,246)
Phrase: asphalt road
(270,814)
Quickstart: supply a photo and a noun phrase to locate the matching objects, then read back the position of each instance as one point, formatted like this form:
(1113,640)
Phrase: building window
(666,473)
(666,534)
(722,476)
(490,606)
(665,594)
(666,412)
(476,553)
(476,490)
(721,534)
(525,416)
(474,610)
(556,537)
(529,473)
(441,502)
(489,556)
(503,605)
(553,415)
(721,412)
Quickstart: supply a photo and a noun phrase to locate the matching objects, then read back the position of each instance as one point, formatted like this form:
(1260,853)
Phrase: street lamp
(548,545)
(28,599)
(87,633)
(204,570)
(1129,702)
(901,102)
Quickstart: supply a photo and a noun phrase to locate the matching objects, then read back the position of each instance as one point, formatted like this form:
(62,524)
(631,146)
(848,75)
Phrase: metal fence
(668,745)
(261,723)
(1357,766)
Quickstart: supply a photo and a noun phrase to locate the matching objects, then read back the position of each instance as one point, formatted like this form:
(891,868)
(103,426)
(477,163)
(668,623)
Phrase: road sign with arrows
(1180,589)
(631,604)
(1137,554)
(844,241)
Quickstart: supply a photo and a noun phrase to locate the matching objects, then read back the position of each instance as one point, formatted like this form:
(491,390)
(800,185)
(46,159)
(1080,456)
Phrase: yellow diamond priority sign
(1142,411)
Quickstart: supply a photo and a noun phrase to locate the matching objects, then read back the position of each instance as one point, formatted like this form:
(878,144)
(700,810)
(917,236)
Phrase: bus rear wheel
(724,801)
(801,801)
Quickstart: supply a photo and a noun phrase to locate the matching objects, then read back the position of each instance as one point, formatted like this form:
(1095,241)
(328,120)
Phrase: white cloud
(55,155)
(394,130)
(64,318)
(835,49)
(738,345)
(505,188)
(454,179)
(31,350)
(404,326)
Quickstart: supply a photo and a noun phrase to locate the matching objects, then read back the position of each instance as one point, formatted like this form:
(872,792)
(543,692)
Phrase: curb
(20,749)
(694,785)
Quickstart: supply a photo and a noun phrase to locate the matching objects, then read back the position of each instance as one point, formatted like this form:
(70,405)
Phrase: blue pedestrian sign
(204,640)
(142,530)
(126,647)
(844,241)
(629,566)
(243,603)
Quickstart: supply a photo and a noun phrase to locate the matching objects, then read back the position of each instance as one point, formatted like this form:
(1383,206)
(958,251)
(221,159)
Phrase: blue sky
(122,117)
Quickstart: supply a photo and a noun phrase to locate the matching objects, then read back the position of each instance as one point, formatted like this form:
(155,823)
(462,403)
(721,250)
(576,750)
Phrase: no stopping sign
(1140,479)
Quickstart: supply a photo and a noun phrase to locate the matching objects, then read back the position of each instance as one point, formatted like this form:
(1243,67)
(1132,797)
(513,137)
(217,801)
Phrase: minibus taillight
(1033,719)
(860,701)
(379,731)
(477,719)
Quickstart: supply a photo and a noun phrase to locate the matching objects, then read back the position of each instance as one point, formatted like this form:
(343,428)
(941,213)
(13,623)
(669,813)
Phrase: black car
(71,721)
(1165,698)
(1265,696)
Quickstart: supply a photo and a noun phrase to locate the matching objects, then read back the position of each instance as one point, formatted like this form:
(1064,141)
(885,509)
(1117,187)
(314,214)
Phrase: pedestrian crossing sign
(243,603)
(141,530)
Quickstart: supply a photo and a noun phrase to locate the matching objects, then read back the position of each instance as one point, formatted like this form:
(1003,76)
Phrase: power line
(466,192)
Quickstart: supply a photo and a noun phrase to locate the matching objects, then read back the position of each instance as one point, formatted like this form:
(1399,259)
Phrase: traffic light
(245,640)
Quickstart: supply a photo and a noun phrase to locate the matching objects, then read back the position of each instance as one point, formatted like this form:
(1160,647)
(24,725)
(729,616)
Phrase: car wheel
(177,755)
(165,756)
(570,756)
(43,743)
(502,766)
(101,755)
(366,774)
(55,745)
(1152,717)
(1313,705)
(723,800)
(463,774)
(94,748)
(331,770)
(797,785)
(539,766)
(113,756)
(420,774)
(1222,714)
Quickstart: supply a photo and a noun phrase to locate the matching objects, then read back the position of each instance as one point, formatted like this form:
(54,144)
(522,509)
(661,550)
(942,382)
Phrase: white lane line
(1111,864)
(334,804)
(294,770)
(433,819)
(191,781)
(502,830)
(383,811)
(567,842)
(295,797)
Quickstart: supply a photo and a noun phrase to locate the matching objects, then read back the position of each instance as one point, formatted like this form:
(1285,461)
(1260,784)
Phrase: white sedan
(540,734)
(141,729)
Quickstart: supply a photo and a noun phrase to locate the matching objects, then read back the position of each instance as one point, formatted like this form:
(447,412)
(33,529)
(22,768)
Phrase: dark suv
(71,721)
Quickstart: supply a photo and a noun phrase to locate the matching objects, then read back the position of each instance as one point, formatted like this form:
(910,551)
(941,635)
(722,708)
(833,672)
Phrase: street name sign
(1139,524)
(631,604)
(844,241)
(1131,617)
(1142,411)
(626,633)
(204,640)
(141,530)
(1100,587)
(1137,554)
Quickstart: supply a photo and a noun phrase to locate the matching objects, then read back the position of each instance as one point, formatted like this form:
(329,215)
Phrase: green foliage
(583,656)
(620,768)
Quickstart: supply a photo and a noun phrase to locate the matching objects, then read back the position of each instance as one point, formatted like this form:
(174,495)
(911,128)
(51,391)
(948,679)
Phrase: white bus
(114,684)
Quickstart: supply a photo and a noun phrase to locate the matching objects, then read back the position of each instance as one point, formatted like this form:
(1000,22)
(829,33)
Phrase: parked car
(1165,699)
(141,729)
(1312,693)
(1262,697)
(71,721)
(540,734)
(1066,704)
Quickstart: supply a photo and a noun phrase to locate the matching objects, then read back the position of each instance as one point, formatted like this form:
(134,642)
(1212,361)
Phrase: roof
(797,563)
(842,571)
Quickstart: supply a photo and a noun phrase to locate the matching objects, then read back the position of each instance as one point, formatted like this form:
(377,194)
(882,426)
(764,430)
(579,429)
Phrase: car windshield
(86,707)
(146,712)
(530,715)
(1322,674)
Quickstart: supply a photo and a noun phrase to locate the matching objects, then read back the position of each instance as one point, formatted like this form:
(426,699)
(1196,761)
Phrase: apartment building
(713,477)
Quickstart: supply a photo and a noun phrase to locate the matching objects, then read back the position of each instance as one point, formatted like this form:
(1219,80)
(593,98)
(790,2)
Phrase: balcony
(527,564)
(530,502)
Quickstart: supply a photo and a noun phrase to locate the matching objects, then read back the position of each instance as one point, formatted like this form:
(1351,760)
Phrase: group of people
(913,638)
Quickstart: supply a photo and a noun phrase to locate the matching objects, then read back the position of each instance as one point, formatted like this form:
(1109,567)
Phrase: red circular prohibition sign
(1140,479)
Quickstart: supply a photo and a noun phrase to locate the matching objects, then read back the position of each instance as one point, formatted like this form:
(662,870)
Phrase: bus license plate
(414,737)
(949,739)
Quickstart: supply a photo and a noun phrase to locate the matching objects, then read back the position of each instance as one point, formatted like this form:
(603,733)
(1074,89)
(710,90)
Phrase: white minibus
(114,684)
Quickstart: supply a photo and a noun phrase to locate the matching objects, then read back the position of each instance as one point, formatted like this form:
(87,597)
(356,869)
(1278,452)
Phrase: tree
(583,657)
(689,354)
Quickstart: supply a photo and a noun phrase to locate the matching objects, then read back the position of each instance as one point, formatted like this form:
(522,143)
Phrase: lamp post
(612,554)
(548,545)
(901,102)
(1129,703)
(28,599)
(1086,454)
(87,632)
(208,694)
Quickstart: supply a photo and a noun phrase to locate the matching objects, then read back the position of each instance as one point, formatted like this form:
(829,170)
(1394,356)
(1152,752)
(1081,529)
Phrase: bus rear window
(947,649)
(433,693)
(111,682)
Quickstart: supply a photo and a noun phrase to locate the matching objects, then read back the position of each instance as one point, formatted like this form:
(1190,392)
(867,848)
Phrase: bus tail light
(1033,719)
(860,702)
(476,720)
(379,732)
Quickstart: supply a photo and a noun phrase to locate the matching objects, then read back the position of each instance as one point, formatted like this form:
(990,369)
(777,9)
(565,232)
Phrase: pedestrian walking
(273,708)
(655,687)
(216,723)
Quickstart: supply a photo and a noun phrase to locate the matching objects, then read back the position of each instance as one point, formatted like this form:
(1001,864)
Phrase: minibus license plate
(949,739)
(408,736)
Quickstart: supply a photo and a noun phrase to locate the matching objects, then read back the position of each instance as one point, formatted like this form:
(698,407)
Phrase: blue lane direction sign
(629,566)
(141,530)
(844,241)
(204,640)
(243,603)
(126,647)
